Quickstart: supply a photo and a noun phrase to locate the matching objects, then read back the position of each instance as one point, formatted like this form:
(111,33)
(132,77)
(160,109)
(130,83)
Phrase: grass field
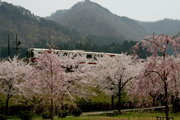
(126,116)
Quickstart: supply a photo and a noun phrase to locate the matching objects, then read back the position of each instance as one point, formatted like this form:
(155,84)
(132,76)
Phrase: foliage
(88,44)
(165,26)
(53,84)
(62,113)
(48,81)
(30,28)
(46,115)
(76,112)
(3,117)
(131,115)
(115,71)
(25,115)
(91,18)
(12,77)
(115,74)
(161,71)
(4,52)
(3,99)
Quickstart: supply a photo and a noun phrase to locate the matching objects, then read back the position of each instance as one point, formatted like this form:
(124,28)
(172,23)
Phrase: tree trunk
(173,103)
(166,101)
(112,102)
(7,102)
(119,102)
(154,101)
(51,109)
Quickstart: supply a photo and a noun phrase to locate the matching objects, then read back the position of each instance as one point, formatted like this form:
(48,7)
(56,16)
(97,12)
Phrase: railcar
(32,54)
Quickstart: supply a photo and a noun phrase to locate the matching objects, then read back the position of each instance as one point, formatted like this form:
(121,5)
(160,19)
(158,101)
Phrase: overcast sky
(143,10)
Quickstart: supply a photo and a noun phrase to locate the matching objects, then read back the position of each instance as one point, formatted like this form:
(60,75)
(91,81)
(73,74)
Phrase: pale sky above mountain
(143,10)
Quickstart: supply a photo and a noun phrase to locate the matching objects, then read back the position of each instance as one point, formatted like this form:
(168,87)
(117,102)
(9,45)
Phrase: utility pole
(8,47)
(49,37)
(17,43)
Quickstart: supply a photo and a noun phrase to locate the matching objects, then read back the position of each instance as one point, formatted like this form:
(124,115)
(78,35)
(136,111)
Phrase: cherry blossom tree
(115,74)
(161,71)
(79,72)
(12,77)
(53,84)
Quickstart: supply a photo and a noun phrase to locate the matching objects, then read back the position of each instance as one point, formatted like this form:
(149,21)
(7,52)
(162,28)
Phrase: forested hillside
(91,18)
(98,29)
(34,31)
(31,30)
(165,26)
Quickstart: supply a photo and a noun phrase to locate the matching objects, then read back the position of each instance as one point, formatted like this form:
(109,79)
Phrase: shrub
(25,115)
(3,117)
(46,115)
(76,112)
(62,114)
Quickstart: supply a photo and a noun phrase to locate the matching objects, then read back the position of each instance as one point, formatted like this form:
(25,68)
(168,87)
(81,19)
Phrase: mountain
(165,26)
(93,22)
(90,18)
(32,31)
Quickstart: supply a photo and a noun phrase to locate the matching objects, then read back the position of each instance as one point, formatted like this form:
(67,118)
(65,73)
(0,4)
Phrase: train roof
(78,51)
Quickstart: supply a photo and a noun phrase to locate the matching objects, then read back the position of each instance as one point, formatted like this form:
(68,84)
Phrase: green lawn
(127,116)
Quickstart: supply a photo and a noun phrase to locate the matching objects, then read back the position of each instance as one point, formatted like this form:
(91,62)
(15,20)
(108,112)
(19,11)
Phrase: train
(32,54)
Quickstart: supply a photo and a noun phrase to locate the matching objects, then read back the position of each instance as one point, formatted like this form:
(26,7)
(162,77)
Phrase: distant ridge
(93,22)
(90,18)
(165,26)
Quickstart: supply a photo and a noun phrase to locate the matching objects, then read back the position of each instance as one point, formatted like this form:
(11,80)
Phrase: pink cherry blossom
(116,74)
(12,77)
(161,71)
(54,81)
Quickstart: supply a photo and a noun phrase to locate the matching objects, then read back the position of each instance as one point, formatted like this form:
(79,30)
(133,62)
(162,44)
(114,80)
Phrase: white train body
(32,54)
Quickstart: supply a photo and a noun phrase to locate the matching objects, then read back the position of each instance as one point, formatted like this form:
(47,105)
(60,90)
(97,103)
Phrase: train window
(58,54)
(89,56)
(100,55)
(80,54)
(65,54)
(32,53)
(95,57)
(27,54)
(74,55)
